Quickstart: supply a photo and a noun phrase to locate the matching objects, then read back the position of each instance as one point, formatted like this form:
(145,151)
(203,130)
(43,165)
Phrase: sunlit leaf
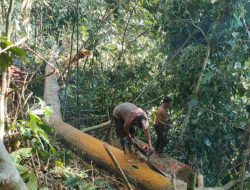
(18,51)
(193,102)
(48,112)
(111,47)
(235,34)
(20,154)
(5,60)
(207,142)
(239,22)
(32,183)
(4,42)
(22,169)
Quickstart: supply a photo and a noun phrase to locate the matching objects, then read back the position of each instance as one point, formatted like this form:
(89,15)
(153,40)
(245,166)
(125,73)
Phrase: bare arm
(128,123)
(148,137)
(126,128)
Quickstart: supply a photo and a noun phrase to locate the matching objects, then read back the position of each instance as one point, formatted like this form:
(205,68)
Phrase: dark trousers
(161,132)
(119,129)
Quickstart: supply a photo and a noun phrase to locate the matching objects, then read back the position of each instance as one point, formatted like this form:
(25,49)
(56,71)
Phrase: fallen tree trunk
(166,164)
(91,148)
(169,165)
(117,165)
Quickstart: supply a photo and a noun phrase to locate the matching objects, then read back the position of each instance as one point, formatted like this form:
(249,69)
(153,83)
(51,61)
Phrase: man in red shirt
(126,116)
(162,125)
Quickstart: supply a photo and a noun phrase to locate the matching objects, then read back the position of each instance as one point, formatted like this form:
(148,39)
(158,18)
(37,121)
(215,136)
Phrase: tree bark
(117,165)
(51,89)
(9,176)
(169,165)
(2,102)
(90,148)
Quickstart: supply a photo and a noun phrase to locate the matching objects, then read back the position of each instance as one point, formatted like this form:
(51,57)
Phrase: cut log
(170,165)
(166,163)
(117,165)
(138,173)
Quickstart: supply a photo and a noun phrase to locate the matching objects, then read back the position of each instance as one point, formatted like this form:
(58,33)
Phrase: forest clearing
(125,95)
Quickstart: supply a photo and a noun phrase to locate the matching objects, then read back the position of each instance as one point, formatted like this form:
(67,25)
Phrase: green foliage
(78,179)
(5,60)
(143,50)
(76,183)
(28,176)
(5,57)
(124,64)
(34,133)
(21,154)
(212,142)
(73,182)
(36,141)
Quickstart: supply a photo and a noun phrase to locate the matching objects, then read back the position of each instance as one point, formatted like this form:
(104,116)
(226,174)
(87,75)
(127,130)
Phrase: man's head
(167,101)
(141,121)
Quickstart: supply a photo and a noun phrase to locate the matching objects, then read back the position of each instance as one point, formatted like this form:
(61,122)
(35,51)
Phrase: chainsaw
(139,147)
(146,157)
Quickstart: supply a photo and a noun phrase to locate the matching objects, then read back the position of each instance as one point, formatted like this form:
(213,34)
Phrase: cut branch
(233,183)
(103,125)
(38,55)
(117,165)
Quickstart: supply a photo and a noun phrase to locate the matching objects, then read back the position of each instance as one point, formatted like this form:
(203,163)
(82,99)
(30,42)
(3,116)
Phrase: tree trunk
(51,89)
(9,176)
(2,102)
(91,148)
(169,165)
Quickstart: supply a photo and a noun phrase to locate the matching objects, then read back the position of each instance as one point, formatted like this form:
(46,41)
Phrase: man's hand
(148,149)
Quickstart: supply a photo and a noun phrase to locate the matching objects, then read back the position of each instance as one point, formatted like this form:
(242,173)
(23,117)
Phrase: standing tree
(9,178)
